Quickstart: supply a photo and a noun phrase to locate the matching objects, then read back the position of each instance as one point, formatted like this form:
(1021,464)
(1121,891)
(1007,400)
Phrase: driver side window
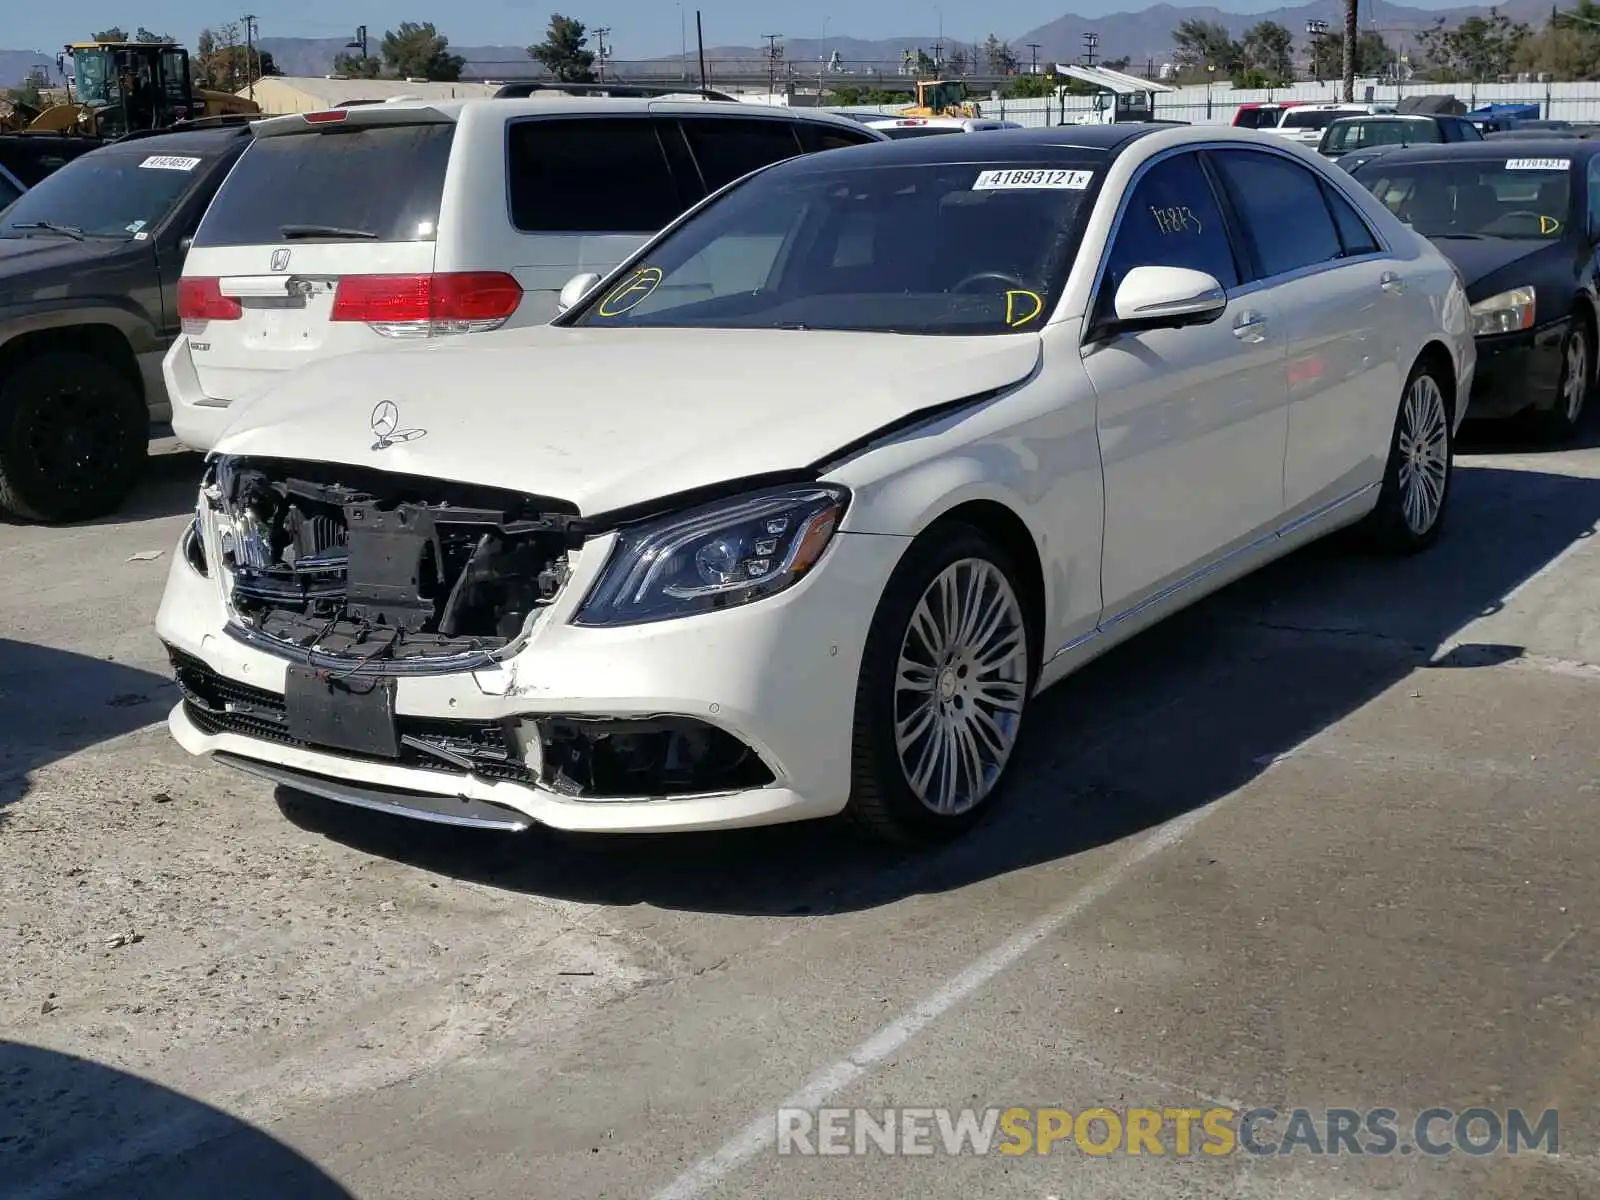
(1172,219)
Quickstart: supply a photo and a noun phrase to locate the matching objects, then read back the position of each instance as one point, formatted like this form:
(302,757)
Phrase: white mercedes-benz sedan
(796,511)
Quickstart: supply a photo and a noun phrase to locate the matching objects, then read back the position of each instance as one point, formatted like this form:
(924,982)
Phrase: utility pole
(1090,43)
(774,53)
(1315,30)
(1033,60)
(600,39)
(249,51)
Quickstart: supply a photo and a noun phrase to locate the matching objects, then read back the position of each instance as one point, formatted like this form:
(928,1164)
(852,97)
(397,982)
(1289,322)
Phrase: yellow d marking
(1548,224)
(1015,318)
(639,288)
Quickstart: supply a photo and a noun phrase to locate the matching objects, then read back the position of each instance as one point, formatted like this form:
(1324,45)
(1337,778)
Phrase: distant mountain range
(1144,36)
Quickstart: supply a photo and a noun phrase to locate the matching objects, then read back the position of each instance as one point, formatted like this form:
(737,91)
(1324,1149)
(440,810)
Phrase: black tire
(1562,420)
(1388,526)
(74,435)
(883,803)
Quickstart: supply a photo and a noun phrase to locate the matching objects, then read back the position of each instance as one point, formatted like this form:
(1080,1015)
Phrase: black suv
(89,268)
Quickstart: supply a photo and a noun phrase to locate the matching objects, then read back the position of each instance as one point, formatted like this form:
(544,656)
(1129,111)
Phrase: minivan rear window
(371,182)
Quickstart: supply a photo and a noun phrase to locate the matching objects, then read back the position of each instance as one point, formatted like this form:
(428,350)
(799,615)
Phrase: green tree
(1373,55)
(354,66)
(1568,46)
(565,51)
(846,96)
(926,67)
(32,87)
(1479,48)
(114,34)
(998,56)
(1268,50)
(1033,87)
(144,35)
(1200,46)
(419,51)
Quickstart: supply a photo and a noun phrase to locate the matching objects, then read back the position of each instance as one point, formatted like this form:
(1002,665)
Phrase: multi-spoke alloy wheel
(946,673)
(1424,444)
(1565,416)
(960,686)
(1416,481)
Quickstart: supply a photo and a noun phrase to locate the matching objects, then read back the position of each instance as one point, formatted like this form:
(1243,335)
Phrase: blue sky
(640,28)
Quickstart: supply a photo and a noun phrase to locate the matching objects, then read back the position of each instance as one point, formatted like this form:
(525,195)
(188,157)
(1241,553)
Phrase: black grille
(217,704)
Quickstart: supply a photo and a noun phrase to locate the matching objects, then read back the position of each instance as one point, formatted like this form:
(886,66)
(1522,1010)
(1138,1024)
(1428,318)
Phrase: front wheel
(1416,481)
(946,675)
(1562,420)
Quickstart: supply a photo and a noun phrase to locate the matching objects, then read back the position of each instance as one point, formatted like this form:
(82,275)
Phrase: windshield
(1358,135)
(1503,198)
(1311,118)
(92,78)
(120,193)
(930,248)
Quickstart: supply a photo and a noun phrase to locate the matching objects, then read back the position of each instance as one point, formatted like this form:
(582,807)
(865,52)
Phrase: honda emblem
(280,260)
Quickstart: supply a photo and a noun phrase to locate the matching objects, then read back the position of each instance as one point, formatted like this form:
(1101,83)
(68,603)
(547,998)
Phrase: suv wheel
(74,434)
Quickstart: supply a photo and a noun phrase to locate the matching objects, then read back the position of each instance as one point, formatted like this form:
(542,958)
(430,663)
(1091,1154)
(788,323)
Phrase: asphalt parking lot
(1328,839)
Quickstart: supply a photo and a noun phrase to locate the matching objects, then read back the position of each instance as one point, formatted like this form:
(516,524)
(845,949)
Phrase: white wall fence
(1577,102)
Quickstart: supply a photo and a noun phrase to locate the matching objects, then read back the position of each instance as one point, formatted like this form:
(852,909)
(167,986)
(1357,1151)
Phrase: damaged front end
(385,573)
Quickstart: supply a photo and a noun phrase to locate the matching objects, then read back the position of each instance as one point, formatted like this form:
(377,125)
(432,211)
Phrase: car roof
(399,110)
(1488,151)
(179,141)
(997,145)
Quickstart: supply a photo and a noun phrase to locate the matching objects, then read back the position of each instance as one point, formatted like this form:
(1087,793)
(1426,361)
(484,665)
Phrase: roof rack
(220,121)
(521,91)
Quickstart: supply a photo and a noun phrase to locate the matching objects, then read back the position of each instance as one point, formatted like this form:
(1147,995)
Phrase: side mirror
(1167,298)
(184,243)
(576,289)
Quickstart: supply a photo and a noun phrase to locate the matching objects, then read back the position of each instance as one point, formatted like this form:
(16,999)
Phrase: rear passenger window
(1172,220)
(1354,235)
(730,147)
(1281,208)
(589,175)
(814,137)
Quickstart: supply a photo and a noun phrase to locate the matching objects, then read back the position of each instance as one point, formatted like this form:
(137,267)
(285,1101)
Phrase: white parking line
(834,1078)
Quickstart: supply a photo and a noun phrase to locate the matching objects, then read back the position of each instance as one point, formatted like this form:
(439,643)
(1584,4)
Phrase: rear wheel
(1416,481)
(1565,416)
(947,672)
(74,434)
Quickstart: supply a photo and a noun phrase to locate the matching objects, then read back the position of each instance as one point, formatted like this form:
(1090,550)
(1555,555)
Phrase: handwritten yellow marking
(1013,318)
(641,285)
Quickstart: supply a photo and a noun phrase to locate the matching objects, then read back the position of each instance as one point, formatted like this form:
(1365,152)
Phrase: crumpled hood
(610,418)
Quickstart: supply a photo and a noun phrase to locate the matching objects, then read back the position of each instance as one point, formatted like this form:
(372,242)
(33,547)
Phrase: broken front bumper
(777,676)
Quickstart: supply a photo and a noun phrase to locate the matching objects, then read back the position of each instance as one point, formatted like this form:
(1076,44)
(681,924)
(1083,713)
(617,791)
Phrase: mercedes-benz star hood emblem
(386,424)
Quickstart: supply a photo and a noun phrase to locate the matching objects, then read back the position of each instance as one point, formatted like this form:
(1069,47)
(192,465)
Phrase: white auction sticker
(993,181)
(1538,164)
(169,162)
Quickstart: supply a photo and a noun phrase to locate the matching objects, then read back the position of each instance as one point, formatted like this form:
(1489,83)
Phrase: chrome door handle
(1392,283)
(1250,327)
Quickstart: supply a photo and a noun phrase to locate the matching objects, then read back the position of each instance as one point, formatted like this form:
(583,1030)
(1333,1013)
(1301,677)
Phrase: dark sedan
(1521,222)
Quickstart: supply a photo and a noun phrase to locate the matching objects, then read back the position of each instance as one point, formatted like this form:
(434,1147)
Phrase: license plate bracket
(355,715)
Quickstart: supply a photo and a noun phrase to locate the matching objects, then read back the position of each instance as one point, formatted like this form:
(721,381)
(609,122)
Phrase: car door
(1340,294)
(1191,420)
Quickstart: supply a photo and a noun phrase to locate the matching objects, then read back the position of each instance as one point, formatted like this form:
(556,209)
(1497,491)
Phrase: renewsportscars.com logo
(1215,1132)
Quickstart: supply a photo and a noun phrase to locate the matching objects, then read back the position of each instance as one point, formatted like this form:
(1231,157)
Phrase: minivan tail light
(428,305)
(201,300)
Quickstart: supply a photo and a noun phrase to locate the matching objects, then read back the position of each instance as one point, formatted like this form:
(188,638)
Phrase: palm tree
(1351,33)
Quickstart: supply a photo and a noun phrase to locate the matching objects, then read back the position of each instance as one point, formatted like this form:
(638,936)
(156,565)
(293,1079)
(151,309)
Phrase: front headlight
(1506,313)
(717,556)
